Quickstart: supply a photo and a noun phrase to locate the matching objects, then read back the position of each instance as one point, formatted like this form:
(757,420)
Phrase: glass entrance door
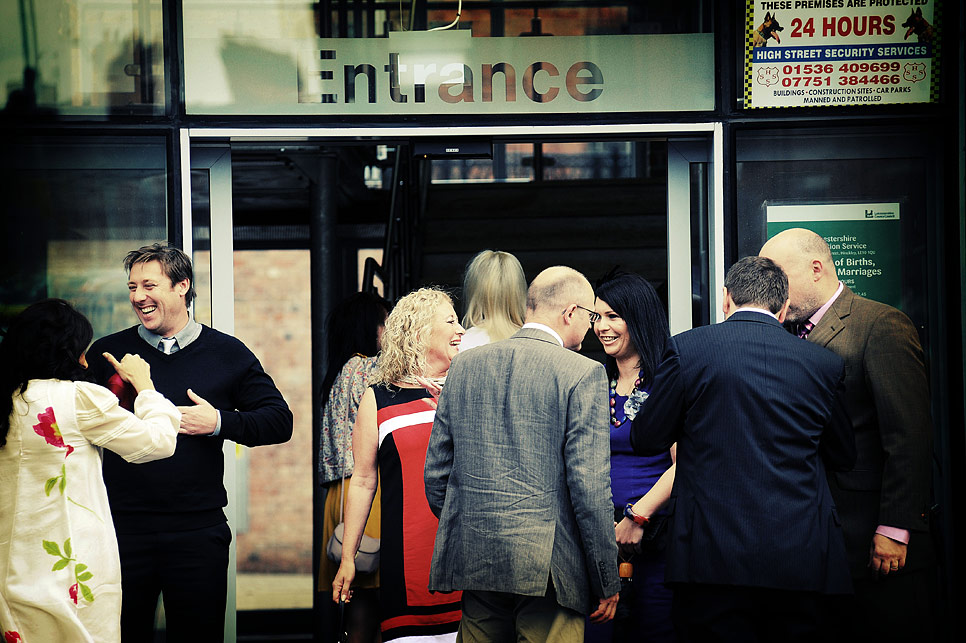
(260,295)
(71,211)
(638,201)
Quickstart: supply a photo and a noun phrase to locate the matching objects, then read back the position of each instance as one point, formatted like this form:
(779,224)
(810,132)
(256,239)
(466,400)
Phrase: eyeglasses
(594,316)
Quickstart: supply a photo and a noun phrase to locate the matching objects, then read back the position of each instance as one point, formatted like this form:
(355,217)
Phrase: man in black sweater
(172,532)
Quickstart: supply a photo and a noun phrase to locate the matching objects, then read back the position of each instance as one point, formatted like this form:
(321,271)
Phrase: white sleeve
(150,433)
(474,337)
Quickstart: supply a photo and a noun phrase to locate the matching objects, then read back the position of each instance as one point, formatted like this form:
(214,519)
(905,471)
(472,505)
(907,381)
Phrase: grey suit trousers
(493,617)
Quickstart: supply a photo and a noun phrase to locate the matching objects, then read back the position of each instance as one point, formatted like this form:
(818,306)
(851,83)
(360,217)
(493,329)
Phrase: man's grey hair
(555,287)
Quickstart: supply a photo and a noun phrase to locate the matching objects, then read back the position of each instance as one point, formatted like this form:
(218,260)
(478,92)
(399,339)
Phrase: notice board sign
(864,239)
(814,53)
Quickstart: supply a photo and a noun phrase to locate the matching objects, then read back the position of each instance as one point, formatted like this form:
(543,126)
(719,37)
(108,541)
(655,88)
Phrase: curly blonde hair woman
(395,419)
(405,339)
(495,291)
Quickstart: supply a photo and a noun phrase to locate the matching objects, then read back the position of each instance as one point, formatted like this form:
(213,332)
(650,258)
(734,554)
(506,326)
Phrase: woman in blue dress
(633,330)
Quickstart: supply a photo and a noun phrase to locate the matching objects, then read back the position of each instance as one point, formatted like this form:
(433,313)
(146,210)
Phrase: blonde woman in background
(495,292)
(389,442)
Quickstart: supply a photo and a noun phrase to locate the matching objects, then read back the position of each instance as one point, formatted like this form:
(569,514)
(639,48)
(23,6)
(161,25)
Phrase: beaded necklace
(631,405)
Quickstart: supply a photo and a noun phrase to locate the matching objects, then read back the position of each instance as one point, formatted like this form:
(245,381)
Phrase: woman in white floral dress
(60,578)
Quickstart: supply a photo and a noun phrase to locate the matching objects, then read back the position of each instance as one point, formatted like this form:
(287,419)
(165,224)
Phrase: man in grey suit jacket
(884,501)
(518,472)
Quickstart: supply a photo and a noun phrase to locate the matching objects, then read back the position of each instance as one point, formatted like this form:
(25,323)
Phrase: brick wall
(273,318)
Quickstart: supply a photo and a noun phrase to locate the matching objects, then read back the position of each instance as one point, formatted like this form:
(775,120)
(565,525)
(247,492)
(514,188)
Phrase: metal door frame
(216,160)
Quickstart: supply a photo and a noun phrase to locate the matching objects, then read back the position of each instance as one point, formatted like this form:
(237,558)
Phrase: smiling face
(611,330)
(444,339)
(159,304)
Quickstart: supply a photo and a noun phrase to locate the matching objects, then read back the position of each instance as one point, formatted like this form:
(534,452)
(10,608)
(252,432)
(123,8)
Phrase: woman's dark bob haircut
(43,342)
(633,298)
(352,328)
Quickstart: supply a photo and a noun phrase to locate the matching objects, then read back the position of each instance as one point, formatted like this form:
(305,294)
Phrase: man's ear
(183,286)
(818,269)
(568,313)
(784,311)
(727,303)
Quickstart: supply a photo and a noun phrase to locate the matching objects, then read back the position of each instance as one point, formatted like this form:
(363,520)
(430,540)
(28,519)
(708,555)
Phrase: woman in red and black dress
(421,337)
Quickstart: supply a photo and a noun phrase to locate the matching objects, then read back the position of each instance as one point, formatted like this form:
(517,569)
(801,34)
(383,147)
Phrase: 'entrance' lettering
(540,82)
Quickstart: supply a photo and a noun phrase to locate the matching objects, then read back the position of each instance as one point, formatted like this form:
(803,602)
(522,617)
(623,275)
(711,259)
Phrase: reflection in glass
(82,58)
(508,165)
(69,215)
(300,19)
(843,167)
(524,162)
(201,245)
(699,174)
(537,18)
(597,160)
(286,19)
(276,19)
(267,59)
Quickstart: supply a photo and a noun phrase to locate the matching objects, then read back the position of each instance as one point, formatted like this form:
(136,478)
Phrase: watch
(629,513)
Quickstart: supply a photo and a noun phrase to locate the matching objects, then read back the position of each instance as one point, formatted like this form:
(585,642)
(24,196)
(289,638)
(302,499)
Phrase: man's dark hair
(757,281)
(174,263)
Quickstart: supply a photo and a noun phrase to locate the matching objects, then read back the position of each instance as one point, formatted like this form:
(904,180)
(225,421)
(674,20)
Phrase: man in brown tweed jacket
(883,502)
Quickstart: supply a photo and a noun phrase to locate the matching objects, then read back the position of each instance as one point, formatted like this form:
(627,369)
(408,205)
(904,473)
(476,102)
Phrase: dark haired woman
(354,337)
(60,575)
(633,330)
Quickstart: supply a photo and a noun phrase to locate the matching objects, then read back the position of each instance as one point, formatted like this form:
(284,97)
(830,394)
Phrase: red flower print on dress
(81,573)
(11,637)
(49,431)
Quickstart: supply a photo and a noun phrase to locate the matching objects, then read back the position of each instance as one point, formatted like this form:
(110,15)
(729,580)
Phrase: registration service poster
(812,53)
(864,239)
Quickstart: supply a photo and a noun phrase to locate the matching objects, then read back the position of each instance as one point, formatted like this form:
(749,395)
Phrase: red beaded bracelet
(629,513)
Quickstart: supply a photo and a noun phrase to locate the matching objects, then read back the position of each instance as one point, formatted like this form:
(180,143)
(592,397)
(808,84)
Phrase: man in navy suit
(754,545)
